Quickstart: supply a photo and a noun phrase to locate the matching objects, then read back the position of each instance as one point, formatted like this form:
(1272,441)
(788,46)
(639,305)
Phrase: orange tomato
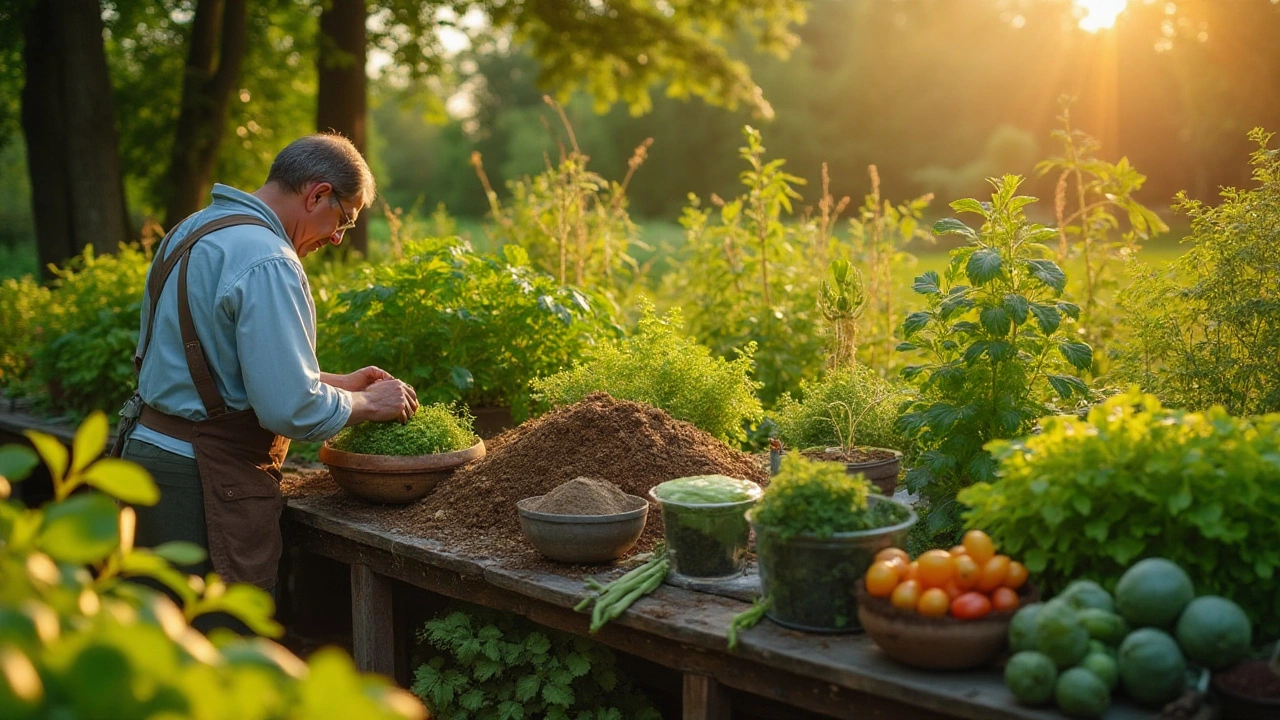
(970,606)
(979,546)
(1016,576)
(906,595)
(952,589)
(881,579)
(933,602)
(936,567)
(890,553)
(967,572)
(958,550)
(1005,599)
(993,573)
(912,572)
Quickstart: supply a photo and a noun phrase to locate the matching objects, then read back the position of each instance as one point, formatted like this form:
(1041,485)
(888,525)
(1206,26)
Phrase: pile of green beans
(613,599)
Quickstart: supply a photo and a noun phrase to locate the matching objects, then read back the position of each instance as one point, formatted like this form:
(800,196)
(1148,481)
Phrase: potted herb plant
(704,520)
(818,529)
(393,463)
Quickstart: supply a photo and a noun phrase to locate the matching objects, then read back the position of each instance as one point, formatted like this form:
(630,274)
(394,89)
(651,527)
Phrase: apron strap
(162,268)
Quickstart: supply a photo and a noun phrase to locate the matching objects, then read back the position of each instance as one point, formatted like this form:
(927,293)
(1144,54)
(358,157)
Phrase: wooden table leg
(704,698)
(372,621)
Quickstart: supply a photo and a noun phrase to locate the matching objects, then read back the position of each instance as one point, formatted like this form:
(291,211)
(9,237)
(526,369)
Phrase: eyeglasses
(347,222)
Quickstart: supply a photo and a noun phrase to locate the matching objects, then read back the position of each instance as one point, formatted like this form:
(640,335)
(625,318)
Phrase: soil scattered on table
(583,496)
(630,445)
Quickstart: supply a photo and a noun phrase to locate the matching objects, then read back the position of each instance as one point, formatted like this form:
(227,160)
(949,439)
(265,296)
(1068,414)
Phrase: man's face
(327,220)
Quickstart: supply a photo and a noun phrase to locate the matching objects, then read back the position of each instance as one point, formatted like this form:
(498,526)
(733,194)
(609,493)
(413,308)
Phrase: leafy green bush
(1207,332)
(77,640)
(996,348)
(84,358)
(821,418)
(433,429)
(22,304)
(461,325)
(494,666)
(668,370)
(1087,498)
(808,497)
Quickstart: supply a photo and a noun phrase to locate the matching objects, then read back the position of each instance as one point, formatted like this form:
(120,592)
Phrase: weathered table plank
(842,676)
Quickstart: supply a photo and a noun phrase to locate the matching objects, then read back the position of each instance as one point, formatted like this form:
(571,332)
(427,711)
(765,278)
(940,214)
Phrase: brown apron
(238,460)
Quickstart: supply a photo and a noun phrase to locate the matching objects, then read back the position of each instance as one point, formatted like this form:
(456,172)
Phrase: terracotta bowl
(944,643)
(583,539)
(393,478)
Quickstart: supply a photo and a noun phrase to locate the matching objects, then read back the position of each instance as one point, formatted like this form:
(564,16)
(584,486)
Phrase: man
(227,364)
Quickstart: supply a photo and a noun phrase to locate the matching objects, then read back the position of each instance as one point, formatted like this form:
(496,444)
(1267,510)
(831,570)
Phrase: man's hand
(357,381)
(387,399)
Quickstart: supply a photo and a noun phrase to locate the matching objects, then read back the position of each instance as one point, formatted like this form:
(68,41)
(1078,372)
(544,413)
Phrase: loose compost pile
(631,445)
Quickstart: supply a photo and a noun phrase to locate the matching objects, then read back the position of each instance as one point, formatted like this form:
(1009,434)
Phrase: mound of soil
(631,445)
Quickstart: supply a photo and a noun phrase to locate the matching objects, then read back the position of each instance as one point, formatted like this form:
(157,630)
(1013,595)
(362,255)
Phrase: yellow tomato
(958,550)
(993,573)
(881,579)
(979,546)
(913,571)
(891,553)
(1016,576)
(967,572)
(936,567)
(933,603)
(906,595)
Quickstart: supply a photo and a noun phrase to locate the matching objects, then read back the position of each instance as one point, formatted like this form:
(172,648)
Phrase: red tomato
(1004,599)
(970,606)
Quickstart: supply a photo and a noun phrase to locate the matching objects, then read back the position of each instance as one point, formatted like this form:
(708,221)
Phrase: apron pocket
(245,517)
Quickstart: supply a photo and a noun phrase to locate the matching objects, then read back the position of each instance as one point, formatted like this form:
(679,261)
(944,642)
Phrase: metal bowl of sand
(583,521)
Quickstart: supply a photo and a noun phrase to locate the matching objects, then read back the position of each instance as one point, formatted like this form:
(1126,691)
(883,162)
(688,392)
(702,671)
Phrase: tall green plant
(995,347)
(841,300)
(1208,332)
(753,275)
(1090,198)
(78,639)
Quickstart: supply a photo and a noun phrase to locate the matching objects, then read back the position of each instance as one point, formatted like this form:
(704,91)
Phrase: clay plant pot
(879,465)
(1238,688)
(394,479)
(936,643)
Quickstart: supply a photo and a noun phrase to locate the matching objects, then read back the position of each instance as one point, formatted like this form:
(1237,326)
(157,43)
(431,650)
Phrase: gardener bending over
(227,363)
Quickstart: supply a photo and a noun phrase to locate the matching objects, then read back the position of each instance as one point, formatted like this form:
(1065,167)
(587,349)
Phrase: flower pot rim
(756,493)
(848,534)
(641,509)
(400,463)
(897,454)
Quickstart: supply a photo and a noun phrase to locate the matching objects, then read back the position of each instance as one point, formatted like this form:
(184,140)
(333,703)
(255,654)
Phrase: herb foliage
(435,428)
(821,417)
(819,498)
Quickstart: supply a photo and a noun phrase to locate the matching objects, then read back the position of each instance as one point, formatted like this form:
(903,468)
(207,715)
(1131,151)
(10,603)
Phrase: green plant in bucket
(705,523)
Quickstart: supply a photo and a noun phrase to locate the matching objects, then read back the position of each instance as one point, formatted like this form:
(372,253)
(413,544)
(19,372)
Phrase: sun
(1100,14)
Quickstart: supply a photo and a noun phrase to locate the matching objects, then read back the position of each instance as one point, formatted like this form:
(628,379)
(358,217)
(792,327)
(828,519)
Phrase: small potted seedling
(880,465)
(390,462)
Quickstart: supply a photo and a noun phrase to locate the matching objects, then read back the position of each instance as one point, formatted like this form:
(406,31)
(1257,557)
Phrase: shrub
(493,665)
(1208,331)
(660,366)
(84,359)
(461,325)
(433,429)
(809,497)
(820,418)
(996,348)
(79,641)
(22,304)
(1087,498)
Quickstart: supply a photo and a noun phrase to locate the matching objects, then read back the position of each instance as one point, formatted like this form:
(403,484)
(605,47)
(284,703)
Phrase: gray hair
(324,157)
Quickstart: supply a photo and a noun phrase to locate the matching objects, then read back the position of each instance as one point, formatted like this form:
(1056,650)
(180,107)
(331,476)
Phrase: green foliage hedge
(79,639)
(661,366)
(23,302)
(460,325)
(1088,498)
(487,665)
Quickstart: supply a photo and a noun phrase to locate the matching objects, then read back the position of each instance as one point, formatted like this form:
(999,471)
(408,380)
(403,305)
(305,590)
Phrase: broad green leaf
(996,321)
(527,687)
(52,452)
(84,528)
(948,226)
(1071,310)
(510,710)
(983,266)
(251,605)
(90,440)
(180,552)
(1000,350)
(956,301)
(975,351)
(1047,316)
(914,322)
(461,378)
(926,284)
(1047,272)
(1067,385)
(17,462)
(1016,305)
(969,205)
(124,480)
(1078,354)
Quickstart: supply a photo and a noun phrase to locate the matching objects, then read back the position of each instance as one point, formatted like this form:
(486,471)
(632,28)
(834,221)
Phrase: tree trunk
(68,119)
(341,105)
(215,54)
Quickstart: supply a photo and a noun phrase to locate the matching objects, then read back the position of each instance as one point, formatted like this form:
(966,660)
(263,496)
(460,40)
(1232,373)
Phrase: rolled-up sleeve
(275,338)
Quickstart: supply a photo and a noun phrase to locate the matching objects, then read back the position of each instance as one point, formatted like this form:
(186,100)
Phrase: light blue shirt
(253,313)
